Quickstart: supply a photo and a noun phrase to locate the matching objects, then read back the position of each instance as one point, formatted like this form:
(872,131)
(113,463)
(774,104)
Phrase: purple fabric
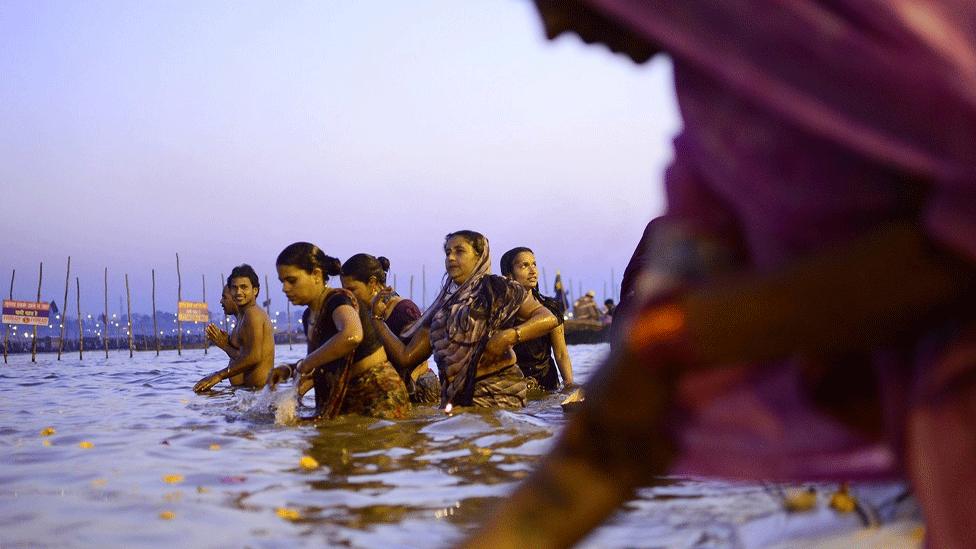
(808,123)
(404,313)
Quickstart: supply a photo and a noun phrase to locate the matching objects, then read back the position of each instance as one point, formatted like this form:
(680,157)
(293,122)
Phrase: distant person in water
(586,308)
(535,357)
(250,345)
(347,363)
(364,276)
(608,309)
(471,328)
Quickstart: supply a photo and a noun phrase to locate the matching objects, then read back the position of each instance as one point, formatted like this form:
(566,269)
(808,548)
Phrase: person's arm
(247,357)
(877,289)
(220,338)
(402,356)
(537,321)
(345,341)
(557,337)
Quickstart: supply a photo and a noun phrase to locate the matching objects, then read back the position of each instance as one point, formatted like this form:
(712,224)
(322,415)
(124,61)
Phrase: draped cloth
(806,124)
(331,380)
(471,314)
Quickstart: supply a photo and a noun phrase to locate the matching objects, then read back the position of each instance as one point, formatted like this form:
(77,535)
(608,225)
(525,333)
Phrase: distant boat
(586,331)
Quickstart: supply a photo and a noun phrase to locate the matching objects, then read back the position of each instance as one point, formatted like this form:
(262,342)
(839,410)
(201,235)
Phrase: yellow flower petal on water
(173,479)
(167,515)
(47,431)
(308,462)
(46,442)
(85,444)
(184,401)
(842,502)
(798,500)
(288,514)
(173,497)
(98,483)
(215,446)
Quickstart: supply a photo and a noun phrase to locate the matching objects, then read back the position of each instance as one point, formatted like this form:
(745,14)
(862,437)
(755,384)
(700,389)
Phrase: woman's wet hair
(307,257)
(507,262)
(362,267)
(474,238)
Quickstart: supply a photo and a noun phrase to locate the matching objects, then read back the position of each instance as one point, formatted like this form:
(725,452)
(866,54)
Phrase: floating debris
(167,515)
(45,442)
(172,479)
(202,489)
(842,501)
(47,431)
(98,483)
(233,479)
(215,447)
(85,445)
(799,500)
(288,514)
(308,463)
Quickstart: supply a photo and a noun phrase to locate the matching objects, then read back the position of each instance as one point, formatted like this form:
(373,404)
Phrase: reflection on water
(170,467)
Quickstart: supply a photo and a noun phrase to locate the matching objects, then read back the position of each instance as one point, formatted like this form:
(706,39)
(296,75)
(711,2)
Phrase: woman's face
(524,270)
(300,287)
(459,259)
(363,291)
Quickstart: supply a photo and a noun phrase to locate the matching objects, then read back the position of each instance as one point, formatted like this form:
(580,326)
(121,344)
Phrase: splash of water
(280,403)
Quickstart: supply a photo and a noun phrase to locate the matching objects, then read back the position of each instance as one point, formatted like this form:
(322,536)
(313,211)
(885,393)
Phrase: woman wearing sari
(471,328)
(535,357)
(345,360)
(364,276)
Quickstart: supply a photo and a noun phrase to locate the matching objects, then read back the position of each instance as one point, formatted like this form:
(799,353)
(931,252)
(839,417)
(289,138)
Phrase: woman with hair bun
(535,357)
(365,275)
(470,328)
(345,360)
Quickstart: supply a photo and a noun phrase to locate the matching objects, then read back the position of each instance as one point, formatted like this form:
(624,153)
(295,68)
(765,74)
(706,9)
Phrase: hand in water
(208,382)
(382,297)
(216,335)
(278,374)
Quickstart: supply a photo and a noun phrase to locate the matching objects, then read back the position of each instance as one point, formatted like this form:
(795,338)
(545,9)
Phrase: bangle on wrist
(518,336)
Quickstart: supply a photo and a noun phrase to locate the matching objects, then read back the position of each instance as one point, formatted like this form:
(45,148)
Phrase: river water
(137,459)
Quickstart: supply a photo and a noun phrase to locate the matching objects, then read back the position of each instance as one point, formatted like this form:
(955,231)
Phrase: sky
(224,131)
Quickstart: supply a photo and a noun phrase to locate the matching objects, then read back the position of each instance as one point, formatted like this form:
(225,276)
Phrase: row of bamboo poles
(179,297)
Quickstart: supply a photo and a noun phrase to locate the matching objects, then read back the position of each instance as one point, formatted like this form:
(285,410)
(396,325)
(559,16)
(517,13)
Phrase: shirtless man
(250,344)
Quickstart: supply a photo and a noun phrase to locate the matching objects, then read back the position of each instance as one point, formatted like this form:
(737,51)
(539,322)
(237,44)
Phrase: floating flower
(167,515)
(46,442)
(47,431)
(86,445)
(800,500)
(288,514)
(215,447)
(173,479)
(842,501)
(308,462)
(98,482)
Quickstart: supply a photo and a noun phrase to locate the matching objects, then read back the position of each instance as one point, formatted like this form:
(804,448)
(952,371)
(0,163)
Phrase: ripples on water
(226,465)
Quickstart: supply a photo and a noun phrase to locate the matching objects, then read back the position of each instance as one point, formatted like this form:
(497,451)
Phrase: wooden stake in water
(6,327)
(81,328)
(40,275)
(206,342)
(411,287)
(105,324)
(64,308)
(155,327)
(179,297)
(288,314)
(128,310)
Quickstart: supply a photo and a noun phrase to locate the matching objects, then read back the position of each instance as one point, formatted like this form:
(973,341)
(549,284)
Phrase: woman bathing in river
(470,328)
(535,356)
(345,360)
(364,276)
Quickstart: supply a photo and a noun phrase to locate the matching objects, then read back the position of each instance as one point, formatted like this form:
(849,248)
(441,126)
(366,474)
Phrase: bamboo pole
(64,307)
(105,323)
(179,297)
(569,292)
(40,275)
(411,287)
(6,327)
(155,326)
(267,297)
(206,342)
(81,328)
(288,314)
(128,310)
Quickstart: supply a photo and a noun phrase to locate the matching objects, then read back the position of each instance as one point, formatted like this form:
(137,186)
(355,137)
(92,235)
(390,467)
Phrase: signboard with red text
(27,313)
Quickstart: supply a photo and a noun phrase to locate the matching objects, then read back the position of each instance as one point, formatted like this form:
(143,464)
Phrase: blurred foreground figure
(804,310)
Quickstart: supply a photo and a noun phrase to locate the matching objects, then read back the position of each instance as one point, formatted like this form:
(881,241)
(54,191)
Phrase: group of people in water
(492,338)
